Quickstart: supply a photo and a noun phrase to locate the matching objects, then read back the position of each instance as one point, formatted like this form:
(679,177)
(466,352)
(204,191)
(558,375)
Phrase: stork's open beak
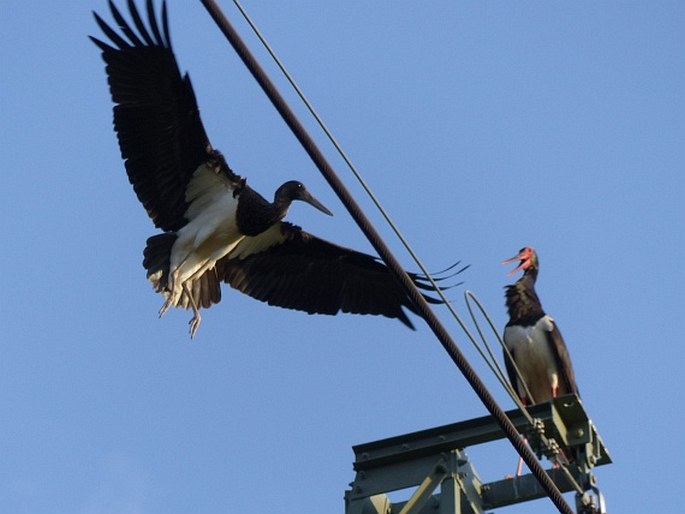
(307,197)
(517,257)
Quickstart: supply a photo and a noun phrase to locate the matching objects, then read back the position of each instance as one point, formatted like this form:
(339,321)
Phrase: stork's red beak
(524,261)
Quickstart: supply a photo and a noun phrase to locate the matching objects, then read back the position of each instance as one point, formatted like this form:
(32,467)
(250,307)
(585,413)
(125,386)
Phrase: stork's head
(294,190)
(528,260)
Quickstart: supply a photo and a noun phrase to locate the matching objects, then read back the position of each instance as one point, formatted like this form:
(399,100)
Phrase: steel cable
(376,241)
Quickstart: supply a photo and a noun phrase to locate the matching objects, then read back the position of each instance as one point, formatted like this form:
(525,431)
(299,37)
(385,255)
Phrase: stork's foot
(194,324)
(165,307)
(519,465)
(519,468)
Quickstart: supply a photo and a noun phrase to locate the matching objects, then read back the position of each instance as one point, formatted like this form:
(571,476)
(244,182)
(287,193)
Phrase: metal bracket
(591,503)
(425,490)
(452,472)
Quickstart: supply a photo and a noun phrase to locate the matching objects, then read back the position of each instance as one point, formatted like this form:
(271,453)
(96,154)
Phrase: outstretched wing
(288,267)
(156,117)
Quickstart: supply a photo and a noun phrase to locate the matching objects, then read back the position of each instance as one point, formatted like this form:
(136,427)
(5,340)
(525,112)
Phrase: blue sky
(481,126)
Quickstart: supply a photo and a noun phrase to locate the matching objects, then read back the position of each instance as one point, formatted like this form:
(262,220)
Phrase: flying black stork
(215,227)
(534,341)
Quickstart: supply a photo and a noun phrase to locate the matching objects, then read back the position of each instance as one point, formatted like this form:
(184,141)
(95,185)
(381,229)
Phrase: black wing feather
(563,358)
(511,373)
(153,23)
(309,274)
(121,22)
(139,23)
(156,117)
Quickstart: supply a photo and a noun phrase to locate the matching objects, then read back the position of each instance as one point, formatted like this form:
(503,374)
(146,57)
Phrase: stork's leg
(166,306)
(196,319)
(171,297)
(519,466)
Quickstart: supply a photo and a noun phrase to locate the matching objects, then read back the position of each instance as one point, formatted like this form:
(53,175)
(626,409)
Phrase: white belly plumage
(210,234)
(535,358)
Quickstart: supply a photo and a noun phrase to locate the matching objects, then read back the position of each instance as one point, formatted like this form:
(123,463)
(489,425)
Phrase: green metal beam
(520,489)
(564,417)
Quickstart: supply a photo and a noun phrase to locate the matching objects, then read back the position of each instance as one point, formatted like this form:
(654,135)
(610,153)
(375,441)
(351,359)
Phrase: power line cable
(384,252)
(370,193)
(490,361)
(381,209)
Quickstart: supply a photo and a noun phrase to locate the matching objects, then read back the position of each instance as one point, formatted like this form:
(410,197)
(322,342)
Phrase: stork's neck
(256,214)
(522,301)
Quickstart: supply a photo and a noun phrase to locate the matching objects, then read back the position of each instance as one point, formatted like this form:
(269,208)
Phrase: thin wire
(354,170)
(468,297)
(379,245)
(369,192)
(381,209)
(340,151)
(491,362)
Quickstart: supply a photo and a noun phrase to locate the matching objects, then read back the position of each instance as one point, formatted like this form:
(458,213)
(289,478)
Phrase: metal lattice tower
(436,458)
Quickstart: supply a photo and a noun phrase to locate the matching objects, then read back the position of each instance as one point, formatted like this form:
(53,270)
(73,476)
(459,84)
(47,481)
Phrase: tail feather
(205,289)
(156,259)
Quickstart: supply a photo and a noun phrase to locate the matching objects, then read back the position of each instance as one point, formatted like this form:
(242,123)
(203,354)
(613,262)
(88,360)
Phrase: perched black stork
(215,227)
(534,340)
